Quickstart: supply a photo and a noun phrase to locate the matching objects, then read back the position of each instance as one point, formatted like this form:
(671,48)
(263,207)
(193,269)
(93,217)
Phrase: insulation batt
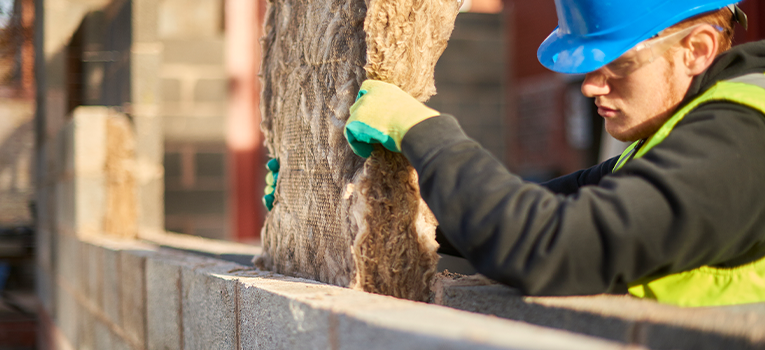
(395,247)
(338,218)
(313,58)
(121,211)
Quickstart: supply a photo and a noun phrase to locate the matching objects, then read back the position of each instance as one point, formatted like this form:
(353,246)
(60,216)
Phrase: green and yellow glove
(271,178)
(383,113)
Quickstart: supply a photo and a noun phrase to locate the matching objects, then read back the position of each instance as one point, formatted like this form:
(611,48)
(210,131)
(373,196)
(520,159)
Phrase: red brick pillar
(244,20)
(27,49)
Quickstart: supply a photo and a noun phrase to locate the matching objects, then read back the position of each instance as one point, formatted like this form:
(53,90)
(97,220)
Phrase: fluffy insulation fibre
(395,247)
(338,218)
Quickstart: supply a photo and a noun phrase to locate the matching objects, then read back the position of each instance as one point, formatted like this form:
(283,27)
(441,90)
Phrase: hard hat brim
(571,53)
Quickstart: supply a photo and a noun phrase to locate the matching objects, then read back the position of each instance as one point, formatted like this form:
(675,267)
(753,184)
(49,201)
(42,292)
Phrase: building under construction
(139,135)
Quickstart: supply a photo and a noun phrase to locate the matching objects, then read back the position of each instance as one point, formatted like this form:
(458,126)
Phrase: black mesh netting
(312,68)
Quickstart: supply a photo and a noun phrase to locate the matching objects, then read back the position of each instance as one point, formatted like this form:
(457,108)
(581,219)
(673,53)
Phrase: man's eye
(621,64)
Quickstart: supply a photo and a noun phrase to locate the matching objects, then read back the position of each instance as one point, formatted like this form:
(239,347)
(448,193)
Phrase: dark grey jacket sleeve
(571,183)
(695,199)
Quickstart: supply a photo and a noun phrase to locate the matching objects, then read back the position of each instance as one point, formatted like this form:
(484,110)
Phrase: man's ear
(700,49)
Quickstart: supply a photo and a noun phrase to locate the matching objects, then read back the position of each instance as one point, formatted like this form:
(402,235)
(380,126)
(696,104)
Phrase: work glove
(271,178)
(383,113)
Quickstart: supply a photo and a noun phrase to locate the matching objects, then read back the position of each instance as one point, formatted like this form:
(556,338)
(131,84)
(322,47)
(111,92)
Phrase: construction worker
(679,217)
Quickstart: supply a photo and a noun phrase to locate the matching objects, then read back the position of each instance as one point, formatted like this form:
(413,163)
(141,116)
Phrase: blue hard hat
(592,33)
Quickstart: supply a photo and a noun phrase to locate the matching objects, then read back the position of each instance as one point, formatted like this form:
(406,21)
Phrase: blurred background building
(181,76)
(17,106)
(16,112)
(194,86)
(192,91)
(205,119)
(189,89)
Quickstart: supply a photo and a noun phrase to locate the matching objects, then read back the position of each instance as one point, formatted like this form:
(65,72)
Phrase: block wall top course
(281,308)
(209,247)
(615,317)
(209,307)
(133,300)
(274,311)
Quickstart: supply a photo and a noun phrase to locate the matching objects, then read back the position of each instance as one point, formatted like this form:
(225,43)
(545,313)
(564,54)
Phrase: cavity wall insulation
(339,218)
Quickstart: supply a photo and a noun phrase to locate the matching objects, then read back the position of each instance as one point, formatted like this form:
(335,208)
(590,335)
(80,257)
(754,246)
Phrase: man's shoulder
(721,111)
(742,95)
(721,124)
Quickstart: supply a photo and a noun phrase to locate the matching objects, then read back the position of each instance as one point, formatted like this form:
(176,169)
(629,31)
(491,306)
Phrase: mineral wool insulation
(338,218)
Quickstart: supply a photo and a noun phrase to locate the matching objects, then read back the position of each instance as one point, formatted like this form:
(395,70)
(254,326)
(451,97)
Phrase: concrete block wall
(70,178)
(194,86)
(146,98)
(619,318)
(149,297)
(99,311)
(72,196)
(55,213)
(75,189)
(193,77)
(56,22)
(196,189)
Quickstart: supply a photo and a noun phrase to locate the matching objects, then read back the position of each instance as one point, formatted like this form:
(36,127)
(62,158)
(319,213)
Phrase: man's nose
(595,84)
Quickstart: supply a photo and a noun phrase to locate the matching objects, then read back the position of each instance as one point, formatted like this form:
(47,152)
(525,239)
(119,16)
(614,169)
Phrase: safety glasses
(644,53)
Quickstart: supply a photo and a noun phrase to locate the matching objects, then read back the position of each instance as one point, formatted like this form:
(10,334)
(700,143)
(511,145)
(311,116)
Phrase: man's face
(635,106)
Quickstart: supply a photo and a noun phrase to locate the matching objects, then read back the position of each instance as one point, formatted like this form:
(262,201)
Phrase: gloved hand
(383,113)
(271,178)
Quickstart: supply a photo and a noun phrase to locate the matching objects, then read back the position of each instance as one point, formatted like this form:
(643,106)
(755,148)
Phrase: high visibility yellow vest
(706,285)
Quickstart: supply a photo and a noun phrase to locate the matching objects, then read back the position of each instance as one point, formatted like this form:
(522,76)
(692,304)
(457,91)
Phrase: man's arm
(566,184)
(571,183)
(695,199)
